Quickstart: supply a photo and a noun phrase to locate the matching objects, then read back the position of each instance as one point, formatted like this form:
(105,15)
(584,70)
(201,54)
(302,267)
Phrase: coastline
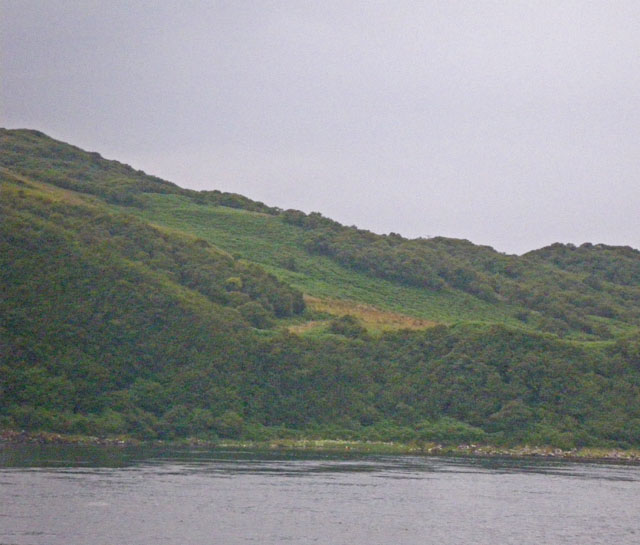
(582,454)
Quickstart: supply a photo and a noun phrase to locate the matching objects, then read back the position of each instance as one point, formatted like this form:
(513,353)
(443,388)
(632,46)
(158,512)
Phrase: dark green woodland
(130,306)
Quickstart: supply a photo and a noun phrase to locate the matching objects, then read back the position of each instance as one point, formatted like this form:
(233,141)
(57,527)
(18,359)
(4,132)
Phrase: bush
(109,422)
(179,421)
(449,430)
(347,325)
(229,425)
(545,434)
(256,315)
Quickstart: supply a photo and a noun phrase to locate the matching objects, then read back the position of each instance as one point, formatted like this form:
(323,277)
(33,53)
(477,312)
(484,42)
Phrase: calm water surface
(72,495)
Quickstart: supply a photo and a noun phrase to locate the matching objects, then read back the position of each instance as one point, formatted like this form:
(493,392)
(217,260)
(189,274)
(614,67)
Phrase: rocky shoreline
(591,454)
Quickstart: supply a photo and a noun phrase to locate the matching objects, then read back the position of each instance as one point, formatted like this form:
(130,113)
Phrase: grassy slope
(269,241)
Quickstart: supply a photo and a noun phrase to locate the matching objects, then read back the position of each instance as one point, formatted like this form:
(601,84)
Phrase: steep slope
(130,305)
(279,246)
(442,280)
(93,301)
(438,280)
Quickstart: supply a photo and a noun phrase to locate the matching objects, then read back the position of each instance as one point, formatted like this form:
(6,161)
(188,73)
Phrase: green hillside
(279,247)
(131,305)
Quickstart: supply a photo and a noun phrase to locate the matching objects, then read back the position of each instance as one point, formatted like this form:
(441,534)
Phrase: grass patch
(279,247)
(374,319)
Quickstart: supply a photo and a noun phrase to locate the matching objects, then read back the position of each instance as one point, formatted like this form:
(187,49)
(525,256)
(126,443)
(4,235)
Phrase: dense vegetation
(615,264)
(589,284)
(132,306)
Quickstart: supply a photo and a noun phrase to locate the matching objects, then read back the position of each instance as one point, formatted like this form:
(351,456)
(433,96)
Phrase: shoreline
(336,446)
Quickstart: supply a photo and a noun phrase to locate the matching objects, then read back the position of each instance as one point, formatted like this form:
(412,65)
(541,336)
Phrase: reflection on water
(77,495)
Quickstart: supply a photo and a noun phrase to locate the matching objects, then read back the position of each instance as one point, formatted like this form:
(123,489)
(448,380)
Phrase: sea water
(52,495)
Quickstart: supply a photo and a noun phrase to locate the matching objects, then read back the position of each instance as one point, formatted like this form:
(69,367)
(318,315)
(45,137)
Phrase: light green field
(269,241)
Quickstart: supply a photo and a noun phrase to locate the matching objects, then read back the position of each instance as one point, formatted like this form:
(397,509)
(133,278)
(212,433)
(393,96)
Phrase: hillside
(131,305)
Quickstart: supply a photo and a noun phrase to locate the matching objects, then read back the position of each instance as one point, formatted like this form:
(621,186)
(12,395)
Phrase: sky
(512,124)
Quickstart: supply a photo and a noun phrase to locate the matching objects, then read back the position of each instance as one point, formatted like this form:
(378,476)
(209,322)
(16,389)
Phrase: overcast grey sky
(513,124)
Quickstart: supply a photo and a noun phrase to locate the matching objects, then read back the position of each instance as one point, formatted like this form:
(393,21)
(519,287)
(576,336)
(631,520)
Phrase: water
(79,495)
